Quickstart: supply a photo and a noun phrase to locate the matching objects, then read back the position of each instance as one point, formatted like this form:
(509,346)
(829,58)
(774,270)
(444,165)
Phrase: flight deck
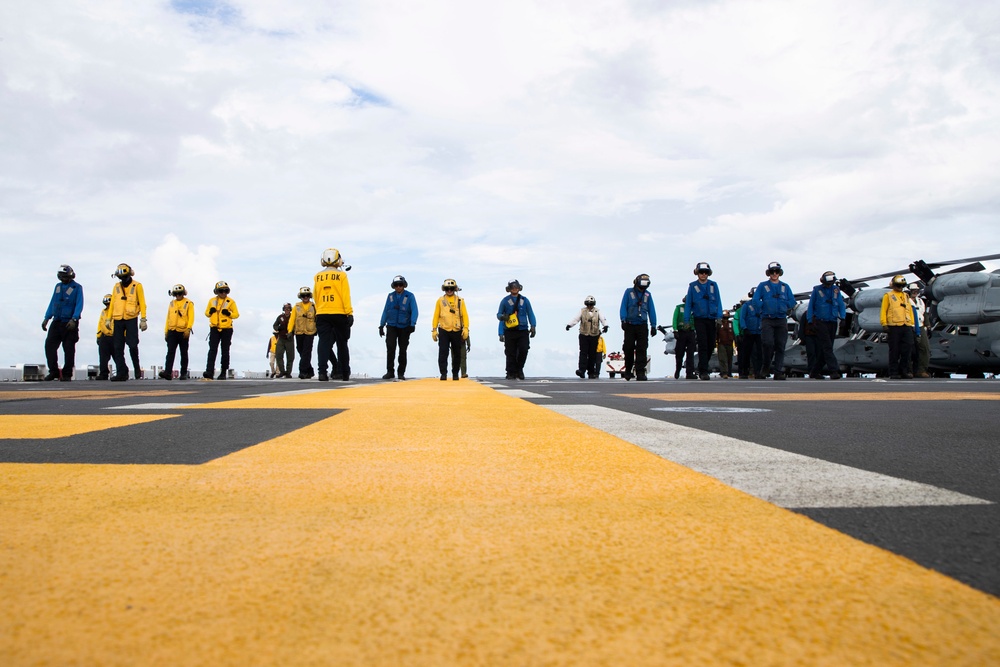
(483,522)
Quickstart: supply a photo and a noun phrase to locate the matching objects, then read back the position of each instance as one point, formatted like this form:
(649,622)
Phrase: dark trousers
(813,356)
(105,348)
(588,354)
(126,332)
(826,333)
(704,328)
(686,343)
(449,341)
(330,330)
(396,336)
(304,346)
(726,358)
(773,338)
(59,336)
(755,354)
(176,340)
(900,349)
(634,349)
(284,353)
(218,338)
(515,348)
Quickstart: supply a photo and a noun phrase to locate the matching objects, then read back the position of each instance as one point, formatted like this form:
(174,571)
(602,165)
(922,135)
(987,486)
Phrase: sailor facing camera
(177,331)
(220,311)
(65,308)
(128,314)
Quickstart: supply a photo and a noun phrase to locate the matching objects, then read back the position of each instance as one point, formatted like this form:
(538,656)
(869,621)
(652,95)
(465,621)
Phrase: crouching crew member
(220,311)
(400,316)
(128,313)
(517,325)
(592,323)
(638,314)
(897,319)
(177,332)
(772,300)
(826,307)
(65,308)
(704,308)
(334,314)
(449,327)
(105,340)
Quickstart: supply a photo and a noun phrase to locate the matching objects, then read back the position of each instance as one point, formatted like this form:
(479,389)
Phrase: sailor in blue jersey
(65,308)
(750,333)
(515,335)
(400,316)
(638,315)
(826,307)
(704,307)
(773,299)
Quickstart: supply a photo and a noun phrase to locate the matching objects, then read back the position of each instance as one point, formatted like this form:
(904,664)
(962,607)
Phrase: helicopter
(963,321)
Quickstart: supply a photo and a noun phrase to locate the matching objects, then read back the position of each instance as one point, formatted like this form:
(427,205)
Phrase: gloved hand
(568,327)
(212,311)
(465,334)
(350,320)
(166,338)
(501,317)
(531,332)
(501,338)
(434,335)
(652,331)
(142,324)
(225,311)
(412,329)
(605,329)
(187,333)
(45,324)
(71,325)
(381,332)
(623,326)
(468,345)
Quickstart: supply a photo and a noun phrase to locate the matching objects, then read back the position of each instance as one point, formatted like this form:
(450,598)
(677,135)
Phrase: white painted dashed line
(783,478)
(520,393)
(298,392)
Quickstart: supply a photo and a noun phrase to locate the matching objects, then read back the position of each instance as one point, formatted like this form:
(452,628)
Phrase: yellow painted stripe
(27,427)
(826,396)
(437,523)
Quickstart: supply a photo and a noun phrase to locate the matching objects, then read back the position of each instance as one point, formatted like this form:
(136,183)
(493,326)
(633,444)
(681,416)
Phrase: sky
(569,145)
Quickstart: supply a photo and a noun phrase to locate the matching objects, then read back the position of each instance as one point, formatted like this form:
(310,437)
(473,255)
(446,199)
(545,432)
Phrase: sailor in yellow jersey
(449,327)
(177,332)
(897,319)
(220,311)
(334,314)
(302,323)
(128,315)
(105,340)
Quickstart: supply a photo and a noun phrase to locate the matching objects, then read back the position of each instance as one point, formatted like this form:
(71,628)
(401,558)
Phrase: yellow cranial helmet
(331,257)
(221,287)
(122,271)
(305,292)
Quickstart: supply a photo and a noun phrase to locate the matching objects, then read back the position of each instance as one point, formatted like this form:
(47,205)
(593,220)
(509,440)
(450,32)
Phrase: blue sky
(571,147)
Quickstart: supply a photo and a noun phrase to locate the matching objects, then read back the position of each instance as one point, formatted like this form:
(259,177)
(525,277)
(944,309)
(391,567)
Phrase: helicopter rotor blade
(968,268)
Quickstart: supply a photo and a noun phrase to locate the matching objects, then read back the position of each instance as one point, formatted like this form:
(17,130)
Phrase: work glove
(166,338)
(225,311)
(652,331)
(531,332)
(381,332)
(434,335)
(605,329)
(71,325)
(187,334)
(45,324)
(212,311)
(412,329)
(465,334)
(142,324)
(568,327)
(501,338)
(623,326)
(468,345)
(350,320)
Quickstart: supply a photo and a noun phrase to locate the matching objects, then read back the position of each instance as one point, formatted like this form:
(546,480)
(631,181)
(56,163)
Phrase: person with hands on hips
(516,326)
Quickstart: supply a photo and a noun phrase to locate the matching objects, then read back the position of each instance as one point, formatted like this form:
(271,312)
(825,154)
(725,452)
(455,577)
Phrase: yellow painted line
(30,427)
(89,395)
(442,523)
(828,396)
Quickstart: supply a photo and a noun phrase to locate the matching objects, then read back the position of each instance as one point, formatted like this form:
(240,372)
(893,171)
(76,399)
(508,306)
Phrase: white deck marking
(779,477)
(297,392)
(520,393)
